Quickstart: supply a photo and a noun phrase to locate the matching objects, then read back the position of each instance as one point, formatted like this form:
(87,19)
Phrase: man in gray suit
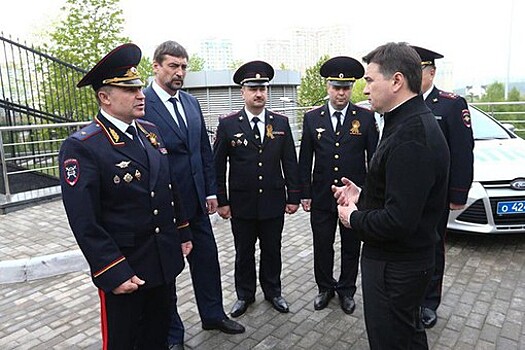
(180,121)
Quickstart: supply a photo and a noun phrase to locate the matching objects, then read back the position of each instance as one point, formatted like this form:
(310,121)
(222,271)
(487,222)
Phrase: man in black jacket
(397,212)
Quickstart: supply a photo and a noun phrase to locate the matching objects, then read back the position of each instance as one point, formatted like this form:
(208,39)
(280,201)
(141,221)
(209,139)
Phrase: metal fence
(506,112)
(37,92)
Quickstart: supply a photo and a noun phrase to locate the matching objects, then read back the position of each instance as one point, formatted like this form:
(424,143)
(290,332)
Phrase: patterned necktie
(180,120)
(256,131)
(338,126)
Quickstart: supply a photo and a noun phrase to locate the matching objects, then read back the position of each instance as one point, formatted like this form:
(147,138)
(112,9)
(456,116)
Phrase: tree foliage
(196,63)
(87,30)
(357,91)
(233,65)
(312,90)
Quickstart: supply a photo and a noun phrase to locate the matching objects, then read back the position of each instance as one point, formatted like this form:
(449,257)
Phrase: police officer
(453,116)
(257,148)
(123,208)
(341,137)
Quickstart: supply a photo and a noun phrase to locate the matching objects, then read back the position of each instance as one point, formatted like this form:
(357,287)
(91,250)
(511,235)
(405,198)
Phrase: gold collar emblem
(114,135)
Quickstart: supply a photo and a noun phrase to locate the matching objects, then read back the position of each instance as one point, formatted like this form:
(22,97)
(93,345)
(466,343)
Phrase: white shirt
(260,123)
(119,124)
(332,110)
(165,98)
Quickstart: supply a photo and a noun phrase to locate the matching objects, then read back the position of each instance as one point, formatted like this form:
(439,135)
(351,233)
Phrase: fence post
(4,169)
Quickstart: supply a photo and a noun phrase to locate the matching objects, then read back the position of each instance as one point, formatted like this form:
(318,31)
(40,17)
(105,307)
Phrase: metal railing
(501,112)
(37,158)
(33,149)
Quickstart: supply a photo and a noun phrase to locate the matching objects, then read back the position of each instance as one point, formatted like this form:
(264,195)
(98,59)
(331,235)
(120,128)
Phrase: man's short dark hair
(171,48)
(398,57)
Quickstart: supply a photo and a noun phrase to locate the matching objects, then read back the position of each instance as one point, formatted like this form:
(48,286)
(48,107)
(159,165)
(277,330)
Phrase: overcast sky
(476,37)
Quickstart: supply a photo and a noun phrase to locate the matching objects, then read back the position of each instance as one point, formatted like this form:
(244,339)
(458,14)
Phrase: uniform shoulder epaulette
(229,115)
(87,131)
(449,95)
(275,114)
(314,108)
(145,122)
(363,108)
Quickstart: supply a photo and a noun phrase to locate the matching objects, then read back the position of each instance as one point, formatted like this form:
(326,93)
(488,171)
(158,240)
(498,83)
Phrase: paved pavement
(483,303)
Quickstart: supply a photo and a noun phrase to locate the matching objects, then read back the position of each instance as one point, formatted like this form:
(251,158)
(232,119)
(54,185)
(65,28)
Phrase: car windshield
(484,127)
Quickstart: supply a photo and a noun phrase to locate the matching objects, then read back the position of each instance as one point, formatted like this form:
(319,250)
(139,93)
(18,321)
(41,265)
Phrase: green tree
(145,69)
(357,91)
(495,92)
(313,87)
(88,30)
(196,63)
(233,65)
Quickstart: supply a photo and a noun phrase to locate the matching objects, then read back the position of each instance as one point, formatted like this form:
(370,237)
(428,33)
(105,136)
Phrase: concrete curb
(22,270)
(29,269)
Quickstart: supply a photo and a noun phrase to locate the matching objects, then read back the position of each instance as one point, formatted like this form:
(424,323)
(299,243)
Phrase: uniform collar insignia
(114,135)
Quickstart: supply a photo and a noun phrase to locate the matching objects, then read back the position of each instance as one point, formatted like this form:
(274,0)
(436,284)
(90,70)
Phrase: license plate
(512,207)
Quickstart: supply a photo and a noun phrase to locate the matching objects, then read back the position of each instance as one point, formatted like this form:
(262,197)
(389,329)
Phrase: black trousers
(136,321)
(245,234)
(392,294)
(205,276)
(434,289)
(324,225)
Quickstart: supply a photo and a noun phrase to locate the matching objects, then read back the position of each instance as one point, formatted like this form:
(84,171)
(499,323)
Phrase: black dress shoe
(428,317)
(176,347)
(322,299)
(279,304)
(347,304)
(226,326)
(240,307)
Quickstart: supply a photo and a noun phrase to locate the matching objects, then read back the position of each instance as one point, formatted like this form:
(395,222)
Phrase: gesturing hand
(349,193)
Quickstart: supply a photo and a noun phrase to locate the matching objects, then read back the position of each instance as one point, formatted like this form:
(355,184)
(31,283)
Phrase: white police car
(496,200)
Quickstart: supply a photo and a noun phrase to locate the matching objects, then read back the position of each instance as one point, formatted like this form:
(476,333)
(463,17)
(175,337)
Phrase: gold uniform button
(260,190)
(174,220)
(336,156)
(155,212)
(260,164)
(157,230)
(260,151)
(260,177)
(336,181)
(337,144)
(169,186)
(152,194)
(172,204)
(336,169)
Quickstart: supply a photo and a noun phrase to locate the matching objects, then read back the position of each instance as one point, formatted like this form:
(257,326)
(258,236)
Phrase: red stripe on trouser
(103,319)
